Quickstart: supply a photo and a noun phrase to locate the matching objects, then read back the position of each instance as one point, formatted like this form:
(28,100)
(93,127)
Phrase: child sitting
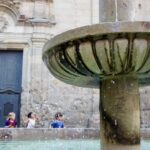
(31,120)
(58,122)
(11,122)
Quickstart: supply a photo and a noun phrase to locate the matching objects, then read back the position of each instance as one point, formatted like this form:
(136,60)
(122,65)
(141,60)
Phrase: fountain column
(120,114)
(124,10)
(120,106)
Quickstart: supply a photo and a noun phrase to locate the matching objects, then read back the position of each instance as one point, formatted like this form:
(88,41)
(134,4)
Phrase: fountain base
(120,113)
(121,147)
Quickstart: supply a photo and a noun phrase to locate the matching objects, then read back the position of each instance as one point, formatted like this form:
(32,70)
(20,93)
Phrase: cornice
(48,22)
(11,7)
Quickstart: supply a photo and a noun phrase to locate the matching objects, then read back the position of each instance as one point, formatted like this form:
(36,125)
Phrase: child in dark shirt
(58,122)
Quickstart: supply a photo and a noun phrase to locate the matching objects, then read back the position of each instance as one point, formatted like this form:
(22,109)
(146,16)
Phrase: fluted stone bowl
(86,55)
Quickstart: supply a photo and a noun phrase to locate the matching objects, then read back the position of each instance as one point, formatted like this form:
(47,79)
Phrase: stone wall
(45,95)
(27,25)
(145,107)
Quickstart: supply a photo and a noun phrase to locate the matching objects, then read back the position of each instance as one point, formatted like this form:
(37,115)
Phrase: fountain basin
(86,55)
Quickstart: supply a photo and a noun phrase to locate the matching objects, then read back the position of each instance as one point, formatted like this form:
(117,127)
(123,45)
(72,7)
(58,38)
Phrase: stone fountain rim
(91,32)
(97,29)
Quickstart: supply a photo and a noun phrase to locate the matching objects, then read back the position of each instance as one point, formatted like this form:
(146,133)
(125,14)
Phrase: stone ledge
(43,133)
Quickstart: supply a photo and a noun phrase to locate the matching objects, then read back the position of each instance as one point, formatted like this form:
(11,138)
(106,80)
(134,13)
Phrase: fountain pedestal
(114,57)
(120,113)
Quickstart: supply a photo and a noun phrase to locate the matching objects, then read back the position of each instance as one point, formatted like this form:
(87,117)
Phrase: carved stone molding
(15,3)
(3,23)
(47,22)
(11,7)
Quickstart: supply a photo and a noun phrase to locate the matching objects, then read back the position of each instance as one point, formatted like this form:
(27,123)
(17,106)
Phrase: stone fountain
(113,56)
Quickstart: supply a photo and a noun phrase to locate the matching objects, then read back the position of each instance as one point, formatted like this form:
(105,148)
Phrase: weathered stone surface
(145,107)
(124,10)
(41,93)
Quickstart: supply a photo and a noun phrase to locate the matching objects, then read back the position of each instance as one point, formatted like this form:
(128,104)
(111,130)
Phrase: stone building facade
(26,25)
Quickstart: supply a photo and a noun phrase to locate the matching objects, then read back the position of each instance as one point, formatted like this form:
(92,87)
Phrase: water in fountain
(79,144)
